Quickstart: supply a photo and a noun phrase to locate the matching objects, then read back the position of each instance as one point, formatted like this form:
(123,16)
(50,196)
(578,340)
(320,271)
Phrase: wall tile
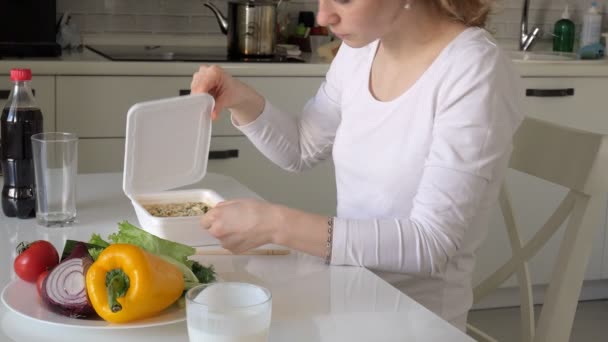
(162,23)
(107,23)
(205,24)
(186,7)
(73,6)
(190,16)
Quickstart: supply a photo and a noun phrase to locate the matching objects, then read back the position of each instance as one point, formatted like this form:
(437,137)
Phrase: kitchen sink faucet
(526,39)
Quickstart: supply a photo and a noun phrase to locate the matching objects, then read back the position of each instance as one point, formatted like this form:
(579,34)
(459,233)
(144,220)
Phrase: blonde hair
(469,12)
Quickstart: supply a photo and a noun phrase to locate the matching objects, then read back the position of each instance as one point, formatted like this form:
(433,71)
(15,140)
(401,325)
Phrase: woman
(418,111)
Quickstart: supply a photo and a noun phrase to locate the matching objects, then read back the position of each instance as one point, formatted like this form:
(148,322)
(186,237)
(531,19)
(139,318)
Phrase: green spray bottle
(563,33)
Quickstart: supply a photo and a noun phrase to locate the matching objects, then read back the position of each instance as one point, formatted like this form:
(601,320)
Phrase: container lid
(167,143)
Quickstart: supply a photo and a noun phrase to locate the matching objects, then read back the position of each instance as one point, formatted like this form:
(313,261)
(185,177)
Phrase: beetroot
(64,289)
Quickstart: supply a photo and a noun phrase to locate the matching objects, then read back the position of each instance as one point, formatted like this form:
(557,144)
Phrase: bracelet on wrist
(329,241)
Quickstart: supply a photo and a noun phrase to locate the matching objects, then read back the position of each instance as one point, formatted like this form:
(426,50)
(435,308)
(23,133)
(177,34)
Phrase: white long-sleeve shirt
(417,176)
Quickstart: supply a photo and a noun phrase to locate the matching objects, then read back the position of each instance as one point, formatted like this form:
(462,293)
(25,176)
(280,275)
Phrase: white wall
(191,17)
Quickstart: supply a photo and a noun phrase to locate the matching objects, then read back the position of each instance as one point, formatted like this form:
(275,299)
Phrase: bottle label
(18,126)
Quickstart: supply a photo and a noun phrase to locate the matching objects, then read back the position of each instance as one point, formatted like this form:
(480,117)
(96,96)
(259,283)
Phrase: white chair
(577,160)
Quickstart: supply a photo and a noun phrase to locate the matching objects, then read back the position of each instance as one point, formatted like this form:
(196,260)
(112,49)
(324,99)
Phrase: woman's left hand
(242,224)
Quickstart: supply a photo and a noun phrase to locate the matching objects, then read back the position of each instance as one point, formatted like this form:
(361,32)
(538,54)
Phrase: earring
(407,5)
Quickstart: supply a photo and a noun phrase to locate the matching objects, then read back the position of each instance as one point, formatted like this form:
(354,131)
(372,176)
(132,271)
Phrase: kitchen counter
(87,62)
(574,68)
(311,301)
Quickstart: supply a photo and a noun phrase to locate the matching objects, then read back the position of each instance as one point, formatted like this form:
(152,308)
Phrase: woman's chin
(353,43)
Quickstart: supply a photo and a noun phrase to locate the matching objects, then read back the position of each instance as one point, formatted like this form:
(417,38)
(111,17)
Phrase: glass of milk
(228,312)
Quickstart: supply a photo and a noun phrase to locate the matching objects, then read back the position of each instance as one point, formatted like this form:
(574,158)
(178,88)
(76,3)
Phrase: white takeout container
(167,147)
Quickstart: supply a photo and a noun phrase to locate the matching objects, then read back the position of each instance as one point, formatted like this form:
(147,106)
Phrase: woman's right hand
(242,100)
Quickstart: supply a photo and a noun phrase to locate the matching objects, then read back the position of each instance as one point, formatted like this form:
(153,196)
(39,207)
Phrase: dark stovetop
(166,53)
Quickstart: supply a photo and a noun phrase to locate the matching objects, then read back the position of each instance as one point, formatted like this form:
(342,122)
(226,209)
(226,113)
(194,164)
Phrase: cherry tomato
(40,281)
(35,258)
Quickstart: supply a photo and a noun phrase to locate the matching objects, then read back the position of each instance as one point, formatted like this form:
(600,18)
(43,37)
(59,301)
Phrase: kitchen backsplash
(191,17)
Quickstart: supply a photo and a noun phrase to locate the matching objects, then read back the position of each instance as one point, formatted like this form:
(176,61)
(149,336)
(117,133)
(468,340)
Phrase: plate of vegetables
(131,280)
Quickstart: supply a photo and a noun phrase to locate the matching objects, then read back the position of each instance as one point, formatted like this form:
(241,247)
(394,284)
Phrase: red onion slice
(64,289)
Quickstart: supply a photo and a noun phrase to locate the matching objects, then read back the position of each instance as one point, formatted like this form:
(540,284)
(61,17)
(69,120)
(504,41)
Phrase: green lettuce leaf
(173,252)
(98,241)
(94,252)
(128,233)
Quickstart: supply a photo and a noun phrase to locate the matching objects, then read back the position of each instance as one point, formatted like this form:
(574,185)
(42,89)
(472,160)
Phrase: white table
(311,301)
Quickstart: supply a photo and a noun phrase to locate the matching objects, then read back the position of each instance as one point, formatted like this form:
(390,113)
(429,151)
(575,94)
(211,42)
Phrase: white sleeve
(477,113)
(299,142)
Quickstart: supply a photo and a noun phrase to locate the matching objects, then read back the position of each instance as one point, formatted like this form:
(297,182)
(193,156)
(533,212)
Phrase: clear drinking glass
(55,165)
(228,312)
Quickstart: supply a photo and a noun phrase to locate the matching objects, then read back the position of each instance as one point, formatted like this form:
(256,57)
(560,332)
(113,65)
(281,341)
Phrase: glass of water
(55,157)
(228,312)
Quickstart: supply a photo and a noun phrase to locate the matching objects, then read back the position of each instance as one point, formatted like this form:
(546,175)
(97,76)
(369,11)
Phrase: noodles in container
(167,149)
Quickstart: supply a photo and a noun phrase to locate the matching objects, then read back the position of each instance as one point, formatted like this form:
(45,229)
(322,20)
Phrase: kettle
(250,27)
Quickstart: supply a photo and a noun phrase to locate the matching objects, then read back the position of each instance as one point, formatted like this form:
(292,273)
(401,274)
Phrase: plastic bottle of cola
(21,118)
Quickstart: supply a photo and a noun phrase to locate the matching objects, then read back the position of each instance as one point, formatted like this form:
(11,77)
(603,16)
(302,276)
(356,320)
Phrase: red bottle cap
(21,74)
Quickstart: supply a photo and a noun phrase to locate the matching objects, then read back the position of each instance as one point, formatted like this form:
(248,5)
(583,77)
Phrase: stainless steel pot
(250,26)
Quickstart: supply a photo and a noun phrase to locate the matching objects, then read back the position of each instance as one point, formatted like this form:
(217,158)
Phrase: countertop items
(591,29)
(163,60)
(183,60)
(563,33)
(311,301)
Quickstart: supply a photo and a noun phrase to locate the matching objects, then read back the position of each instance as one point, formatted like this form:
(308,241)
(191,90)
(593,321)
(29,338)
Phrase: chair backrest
(577,160)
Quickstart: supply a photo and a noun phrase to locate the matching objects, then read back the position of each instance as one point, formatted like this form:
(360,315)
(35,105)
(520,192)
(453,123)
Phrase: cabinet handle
(225,154)
(550,92)
(183,92)
(4,94)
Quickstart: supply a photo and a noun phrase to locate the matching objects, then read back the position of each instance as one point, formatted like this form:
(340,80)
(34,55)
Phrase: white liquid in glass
(229,312)
(197,335)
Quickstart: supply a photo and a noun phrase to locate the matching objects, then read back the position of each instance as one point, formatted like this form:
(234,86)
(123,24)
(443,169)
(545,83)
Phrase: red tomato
(40,280)
(34,259)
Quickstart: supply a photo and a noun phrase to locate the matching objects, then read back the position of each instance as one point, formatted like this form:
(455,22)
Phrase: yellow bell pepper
(126,283)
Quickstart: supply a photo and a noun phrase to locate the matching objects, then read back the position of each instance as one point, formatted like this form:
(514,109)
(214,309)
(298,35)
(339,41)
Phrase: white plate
(22,298)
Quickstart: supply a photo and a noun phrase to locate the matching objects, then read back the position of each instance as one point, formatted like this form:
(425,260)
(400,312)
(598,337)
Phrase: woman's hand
(243,101)
(242,224)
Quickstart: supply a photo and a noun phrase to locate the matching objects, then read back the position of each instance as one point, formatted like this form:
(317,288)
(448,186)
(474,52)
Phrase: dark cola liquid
(18,192)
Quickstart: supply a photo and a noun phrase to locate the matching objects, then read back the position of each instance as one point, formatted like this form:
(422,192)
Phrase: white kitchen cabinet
(312,190)
(574,102)
(533,201)
(44,90)
(95,108)
(101,155)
